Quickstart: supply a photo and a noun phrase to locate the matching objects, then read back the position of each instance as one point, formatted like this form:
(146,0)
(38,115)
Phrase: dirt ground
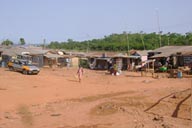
(55,99)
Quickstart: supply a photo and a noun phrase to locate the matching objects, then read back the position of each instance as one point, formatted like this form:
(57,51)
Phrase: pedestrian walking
(80,73)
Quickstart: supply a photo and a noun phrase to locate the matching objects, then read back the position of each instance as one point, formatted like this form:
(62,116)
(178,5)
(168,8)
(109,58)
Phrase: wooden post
(153,68)
(191,100)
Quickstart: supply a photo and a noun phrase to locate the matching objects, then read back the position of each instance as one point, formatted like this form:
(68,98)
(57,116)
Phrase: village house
(99,60)
(36,55)
(172,57)
(102,60)
(176,55)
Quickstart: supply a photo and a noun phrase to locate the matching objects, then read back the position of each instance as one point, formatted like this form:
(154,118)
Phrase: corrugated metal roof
(18,50)
(100,58)
(52,56)
(143,53)
(188,53)
(133,57)
(37,51)
(101,53)
(169,50)
(12,51)
(120,55)
(160,55)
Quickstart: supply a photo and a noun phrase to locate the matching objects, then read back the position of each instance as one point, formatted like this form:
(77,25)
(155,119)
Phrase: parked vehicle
(23,66)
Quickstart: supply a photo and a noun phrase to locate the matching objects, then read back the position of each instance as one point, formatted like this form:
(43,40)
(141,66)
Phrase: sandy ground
(55,99)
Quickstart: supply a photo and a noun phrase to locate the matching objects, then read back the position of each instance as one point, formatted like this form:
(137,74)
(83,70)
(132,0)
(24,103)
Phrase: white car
(23,66)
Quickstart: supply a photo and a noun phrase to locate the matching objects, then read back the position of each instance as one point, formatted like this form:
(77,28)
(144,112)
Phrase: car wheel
(11,68)
(25,72)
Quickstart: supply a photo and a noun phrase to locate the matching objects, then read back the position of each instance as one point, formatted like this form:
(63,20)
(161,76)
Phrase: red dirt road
(55,99)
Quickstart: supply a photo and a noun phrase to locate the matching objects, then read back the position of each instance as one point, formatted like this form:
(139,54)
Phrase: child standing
(80,73)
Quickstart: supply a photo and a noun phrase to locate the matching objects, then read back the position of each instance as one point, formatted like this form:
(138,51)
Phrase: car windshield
(26,63)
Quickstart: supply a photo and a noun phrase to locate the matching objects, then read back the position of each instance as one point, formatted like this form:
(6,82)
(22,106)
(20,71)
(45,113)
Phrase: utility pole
(191,101)
(128,42)
(44,41)
(141,32)
(127,39)
(168,34)
(159,30)
(87,44)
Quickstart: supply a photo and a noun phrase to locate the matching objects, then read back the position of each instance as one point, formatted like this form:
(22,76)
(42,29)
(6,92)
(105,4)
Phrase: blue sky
(59,20)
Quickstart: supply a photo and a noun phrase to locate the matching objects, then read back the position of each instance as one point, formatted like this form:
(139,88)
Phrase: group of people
(113,68)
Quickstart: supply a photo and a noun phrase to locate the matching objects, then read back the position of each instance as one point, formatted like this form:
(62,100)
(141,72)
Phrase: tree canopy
(126,41)
(7,42)
(22,41)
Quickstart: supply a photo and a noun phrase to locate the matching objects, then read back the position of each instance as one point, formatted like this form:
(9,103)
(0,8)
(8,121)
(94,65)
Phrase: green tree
(188,38)
(55,45)
(22,41)
(7,42)
(118,42)
(70,40)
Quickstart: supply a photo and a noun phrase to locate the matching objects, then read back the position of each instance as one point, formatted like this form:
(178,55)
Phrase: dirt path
(55,99)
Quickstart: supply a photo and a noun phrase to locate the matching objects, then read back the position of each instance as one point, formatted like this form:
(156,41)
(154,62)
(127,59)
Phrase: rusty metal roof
(170,50)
